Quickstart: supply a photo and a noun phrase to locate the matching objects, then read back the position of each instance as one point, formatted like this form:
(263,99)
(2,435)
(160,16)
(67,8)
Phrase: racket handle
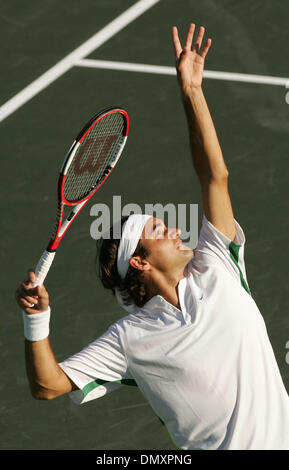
(43,267)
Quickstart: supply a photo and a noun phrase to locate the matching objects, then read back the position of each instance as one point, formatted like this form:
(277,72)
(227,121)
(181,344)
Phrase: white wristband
(36,325)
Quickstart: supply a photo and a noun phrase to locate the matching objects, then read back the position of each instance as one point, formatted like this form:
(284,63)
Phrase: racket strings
(94,157)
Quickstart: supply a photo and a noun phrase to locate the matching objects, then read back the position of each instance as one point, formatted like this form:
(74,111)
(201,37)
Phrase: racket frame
(63,225)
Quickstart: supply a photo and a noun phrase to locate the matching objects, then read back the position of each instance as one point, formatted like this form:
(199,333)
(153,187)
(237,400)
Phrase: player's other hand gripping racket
(90,160)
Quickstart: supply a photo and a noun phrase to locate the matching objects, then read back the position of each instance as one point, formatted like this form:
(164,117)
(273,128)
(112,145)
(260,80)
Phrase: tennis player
(193,339)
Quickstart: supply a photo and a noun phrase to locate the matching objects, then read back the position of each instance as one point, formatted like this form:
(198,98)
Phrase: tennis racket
(88,163)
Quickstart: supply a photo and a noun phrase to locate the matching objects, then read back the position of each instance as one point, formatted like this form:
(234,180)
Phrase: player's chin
(186,253)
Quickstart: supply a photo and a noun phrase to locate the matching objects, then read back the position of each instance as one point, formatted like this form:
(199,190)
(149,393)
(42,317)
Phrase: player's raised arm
(206,151)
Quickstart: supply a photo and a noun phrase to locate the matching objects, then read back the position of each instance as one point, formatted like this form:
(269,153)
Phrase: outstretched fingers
(177,43)
(206,48)
(199,39)
(190,35)
(189,41)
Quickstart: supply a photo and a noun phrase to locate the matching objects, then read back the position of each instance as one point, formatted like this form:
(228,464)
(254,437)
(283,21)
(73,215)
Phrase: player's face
(166,250)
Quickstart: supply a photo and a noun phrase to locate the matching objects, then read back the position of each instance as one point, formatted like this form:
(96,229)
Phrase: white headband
(131,234)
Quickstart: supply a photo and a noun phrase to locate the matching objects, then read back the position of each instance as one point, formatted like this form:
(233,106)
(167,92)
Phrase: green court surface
(252,122)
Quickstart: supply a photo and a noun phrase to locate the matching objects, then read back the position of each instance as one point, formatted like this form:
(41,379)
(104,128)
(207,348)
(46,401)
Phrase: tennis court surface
(59,65)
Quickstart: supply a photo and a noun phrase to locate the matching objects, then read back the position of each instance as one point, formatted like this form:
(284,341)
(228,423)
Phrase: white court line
(68,62)
(164,70)
(125,66)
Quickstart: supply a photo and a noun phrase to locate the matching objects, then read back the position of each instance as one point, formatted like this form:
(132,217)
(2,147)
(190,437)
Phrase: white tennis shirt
(207,370)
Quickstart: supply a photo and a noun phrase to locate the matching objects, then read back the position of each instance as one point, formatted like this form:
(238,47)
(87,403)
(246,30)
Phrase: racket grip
(43,267)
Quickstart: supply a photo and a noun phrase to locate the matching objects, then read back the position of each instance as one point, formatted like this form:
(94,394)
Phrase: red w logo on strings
(92,146)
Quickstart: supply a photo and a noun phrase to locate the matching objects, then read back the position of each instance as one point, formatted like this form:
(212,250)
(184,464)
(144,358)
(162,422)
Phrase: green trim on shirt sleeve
(234,254)
(97,382)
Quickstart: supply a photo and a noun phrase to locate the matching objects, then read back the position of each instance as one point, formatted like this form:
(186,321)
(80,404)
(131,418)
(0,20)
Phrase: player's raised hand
(190,59)
(26,295)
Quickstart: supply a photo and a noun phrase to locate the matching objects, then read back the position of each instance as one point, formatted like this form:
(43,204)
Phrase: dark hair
(132,288)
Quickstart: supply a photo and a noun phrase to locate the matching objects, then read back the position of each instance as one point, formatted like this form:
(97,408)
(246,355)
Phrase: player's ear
(139,263)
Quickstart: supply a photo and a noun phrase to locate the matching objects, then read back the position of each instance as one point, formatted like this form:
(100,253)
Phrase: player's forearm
(43,372)
(46,378)
(205,148)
